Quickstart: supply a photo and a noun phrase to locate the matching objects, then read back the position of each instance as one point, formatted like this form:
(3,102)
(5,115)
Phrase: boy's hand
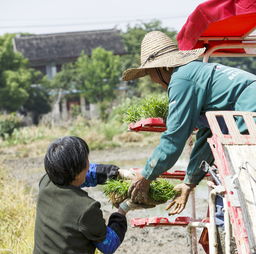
(179,203)
(128,205)
(129,174)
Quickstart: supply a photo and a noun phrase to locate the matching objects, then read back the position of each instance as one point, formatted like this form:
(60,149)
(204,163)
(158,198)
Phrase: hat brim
(172,59)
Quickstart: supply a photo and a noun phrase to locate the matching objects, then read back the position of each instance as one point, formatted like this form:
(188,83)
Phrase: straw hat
(158,50)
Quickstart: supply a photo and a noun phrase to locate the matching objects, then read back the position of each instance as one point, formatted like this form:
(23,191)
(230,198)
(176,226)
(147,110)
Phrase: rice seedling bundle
(150,106)
(160,191)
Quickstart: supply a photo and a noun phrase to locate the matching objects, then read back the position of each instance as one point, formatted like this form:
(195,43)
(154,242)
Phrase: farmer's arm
(201,152)
(106,238)
(99,173)
(184,109)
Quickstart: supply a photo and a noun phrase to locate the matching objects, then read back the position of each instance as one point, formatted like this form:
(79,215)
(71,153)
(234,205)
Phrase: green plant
(8,123)
(160,190)
(26,135)
(75,110)
(150,106)
(116,191)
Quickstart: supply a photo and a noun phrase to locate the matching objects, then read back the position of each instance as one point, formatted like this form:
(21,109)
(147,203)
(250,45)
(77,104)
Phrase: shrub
(75,110)
(8,123)
(27,135)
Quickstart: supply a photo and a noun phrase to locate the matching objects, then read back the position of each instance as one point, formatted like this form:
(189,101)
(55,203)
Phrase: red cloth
(217,18)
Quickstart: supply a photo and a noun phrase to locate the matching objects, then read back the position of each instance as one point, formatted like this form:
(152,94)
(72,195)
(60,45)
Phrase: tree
(98,75)
(66,78)
(38,102)
(15,77)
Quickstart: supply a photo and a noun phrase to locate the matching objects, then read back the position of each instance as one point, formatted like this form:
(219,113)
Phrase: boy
(68,220)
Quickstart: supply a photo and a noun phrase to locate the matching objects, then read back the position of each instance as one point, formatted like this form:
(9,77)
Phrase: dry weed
(17,215)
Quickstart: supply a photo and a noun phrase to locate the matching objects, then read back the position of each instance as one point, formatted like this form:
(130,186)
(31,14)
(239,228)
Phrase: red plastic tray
(148,124)
(160,221)
(177,174)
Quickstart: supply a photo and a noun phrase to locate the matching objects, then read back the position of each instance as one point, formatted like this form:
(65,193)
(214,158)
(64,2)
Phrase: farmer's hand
(179,203)
(128,205)
(138,191)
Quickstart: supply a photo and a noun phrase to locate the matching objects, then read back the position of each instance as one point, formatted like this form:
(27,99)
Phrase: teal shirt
(194,89)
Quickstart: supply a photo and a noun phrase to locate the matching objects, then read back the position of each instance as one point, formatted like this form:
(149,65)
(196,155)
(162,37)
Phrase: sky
(54,16)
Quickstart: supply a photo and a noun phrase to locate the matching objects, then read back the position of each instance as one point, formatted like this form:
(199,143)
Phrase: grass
(17,216)
(98,134)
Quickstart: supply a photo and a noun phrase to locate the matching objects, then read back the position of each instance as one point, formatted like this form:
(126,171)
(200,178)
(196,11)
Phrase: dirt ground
(147,240)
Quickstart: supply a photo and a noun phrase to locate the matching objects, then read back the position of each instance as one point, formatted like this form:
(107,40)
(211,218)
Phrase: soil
(137,240)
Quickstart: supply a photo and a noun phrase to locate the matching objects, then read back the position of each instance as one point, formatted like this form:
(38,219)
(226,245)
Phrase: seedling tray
(160,221)
(148,124)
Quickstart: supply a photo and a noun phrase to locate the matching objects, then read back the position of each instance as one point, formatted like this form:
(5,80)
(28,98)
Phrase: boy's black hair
(66,157)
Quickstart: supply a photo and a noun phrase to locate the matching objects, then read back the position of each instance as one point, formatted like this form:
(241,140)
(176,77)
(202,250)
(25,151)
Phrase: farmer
(67,219)
(193,88)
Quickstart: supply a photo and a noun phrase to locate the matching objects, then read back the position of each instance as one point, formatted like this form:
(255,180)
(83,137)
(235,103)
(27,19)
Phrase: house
(48,52)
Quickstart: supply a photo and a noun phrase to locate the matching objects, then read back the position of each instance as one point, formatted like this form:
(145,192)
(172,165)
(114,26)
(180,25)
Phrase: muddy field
(147,240)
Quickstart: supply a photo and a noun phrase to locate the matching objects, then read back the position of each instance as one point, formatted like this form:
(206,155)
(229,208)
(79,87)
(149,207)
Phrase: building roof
(65,47)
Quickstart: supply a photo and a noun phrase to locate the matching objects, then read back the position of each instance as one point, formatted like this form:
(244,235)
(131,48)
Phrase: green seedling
(160,190)
(148,107)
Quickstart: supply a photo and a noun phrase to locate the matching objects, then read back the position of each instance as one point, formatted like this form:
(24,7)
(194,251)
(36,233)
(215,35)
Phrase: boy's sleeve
(116,229)
(99,173)
(106,238)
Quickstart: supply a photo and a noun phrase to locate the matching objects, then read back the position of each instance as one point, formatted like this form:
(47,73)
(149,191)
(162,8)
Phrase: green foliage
(98,75)
(15,76)
(38,102)
(150,106)
(160,190)
(26,135)
(98,134)
(66,78)
(8,123)
(75,110)
(145,86)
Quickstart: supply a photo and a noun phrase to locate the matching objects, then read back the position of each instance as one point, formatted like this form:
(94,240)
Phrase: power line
(90,23)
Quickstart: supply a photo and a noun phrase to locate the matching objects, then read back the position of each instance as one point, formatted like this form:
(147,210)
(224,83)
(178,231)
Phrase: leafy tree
(98,75)
(15,77)
(66,78)
(38,102)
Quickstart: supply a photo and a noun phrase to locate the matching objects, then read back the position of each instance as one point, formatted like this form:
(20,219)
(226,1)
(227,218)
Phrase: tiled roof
(64,47)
